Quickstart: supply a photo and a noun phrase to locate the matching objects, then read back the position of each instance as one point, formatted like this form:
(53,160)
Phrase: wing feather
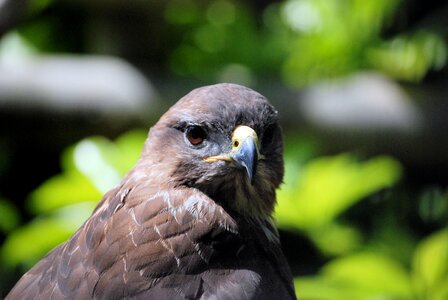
(176,244)
(126,250)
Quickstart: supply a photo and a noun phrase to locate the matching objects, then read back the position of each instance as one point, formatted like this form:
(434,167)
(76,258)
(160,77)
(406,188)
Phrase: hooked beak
(244,151)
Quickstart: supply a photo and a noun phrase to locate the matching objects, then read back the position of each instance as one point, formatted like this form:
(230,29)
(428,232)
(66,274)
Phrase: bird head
(223,140)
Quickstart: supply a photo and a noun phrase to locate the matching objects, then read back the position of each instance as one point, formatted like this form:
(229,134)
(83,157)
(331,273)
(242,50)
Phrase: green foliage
(9,216)
(371,275)
(62,190)
(314,196)
(62,203)
(430,267)
(303,40)
(90,168)
(27,244)
(329,185)
(409,57)
(222,40)
(331,36)
(36,6)
(433,205)
(358,276)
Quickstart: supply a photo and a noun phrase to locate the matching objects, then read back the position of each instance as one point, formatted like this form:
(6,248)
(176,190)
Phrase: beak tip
(247,158)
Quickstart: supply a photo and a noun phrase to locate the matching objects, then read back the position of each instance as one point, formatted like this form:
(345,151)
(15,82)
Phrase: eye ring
(195,134)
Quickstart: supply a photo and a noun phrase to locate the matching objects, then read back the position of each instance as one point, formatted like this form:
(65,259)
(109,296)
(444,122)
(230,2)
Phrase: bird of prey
(191,220)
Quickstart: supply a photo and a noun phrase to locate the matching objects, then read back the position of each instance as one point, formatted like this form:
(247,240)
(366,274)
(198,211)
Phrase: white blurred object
(70,83)
(364,101)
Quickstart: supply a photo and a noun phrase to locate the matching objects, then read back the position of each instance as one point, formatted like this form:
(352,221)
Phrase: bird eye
(195,134)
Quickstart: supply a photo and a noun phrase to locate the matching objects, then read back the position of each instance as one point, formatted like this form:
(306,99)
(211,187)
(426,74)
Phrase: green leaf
(27,244)
(327,186)
(9,216)
(36,6)
(91,167)
(430,265)
(328,41)
(130,146)
(322,288)
(336,239)
(62,190)
(410,57)
(376,274)
(96,158)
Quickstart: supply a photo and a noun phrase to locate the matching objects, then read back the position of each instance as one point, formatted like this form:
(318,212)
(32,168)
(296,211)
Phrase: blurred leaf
(182,12)
(410,57)
(9,216)
(392,238)
(207,49)
(430,265)
(327,186)
(96,158)
(90,168)
(40,35)
(104,162)
(357,277)
(29,243)
(433,205)
(305,40)
(98,154)
(370,275)
(336,239)
(331,36)
(36,6)
(130,146)
(377,274)
(321,288)
(62,190)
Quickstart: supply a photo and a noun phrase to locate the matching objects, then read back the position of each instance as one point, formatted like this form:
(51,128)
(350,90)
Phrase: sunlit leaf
(440,291)
(62,190)
(322,288)
(29,243)
(90,168)
(9,216)
(373,273)
(327,186)
(105,162)
(336,239)
(430,264)
(130,146)
(96,158)
(410,57)
(330,42)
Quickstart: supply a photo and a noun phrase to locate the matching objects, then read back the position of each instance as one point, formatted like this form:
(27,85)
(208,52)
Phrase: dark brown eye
(195,134)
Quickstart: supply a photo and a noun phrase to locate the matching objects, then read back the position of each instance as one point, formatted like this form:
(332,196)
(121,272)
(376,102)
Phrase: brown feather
(178,227)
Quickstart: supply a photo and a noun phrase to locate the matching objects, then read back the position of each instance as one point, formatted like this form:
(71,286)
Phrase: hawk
(191,220)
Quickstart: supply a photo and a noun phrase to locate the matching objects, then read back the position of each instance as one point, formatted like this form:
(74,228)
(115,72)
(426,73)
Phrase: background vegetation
(363,211)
